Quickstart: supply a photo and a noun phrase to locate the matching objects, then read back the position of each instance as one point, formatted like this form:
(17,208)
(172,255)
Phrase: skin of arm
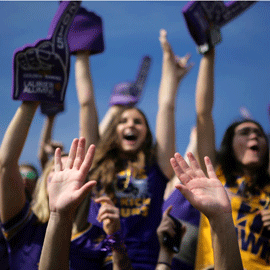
(166,226)
(173,71)
(86,98)
(110,216)
(192,147)
(112,111)
(46,137)
(66,190)
(12,193)
(204,107)
(208,195)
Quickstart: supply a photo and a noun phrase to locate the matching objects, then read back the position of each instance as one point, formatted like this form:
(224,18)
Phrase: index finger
(104,199)
(61,22)
(168,210)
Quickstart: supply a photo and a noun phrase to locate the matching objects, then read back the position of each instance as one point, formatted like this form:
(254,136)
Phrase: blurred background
(131,30)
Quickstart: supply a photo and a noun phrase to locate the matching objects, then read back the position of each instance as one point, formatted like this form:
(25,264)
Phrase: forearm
(204,107)
(86,98)
(165,123)
(16,134)
(164,259)
(120,259)
(112,111)
(56,246)
(225,245)
(46,136)
(205,85)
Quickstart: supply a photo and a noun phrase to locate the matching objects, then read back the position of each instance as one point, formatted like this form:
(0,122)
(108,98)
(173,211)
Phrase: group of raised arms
(99,206)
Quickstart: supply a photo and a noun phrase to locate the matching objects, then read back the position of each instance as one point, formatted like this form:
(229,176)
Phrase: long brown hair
(107,162)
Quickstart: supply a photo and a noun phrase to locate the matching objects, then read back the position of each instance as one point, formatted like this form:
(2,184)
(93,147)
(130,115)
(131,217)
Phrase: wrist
(62,217)
(115,242)
(221,221)
(165,255)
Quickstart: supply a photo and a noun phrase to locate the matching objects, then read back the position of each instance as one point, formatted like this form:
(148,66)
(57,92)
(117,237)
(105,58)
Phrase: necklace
(128,177)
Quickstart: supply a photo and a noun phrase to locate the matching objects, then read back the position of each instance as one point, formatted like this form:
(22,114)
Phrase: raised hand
(207,194)
(67,187)
(109,215)
(173,65)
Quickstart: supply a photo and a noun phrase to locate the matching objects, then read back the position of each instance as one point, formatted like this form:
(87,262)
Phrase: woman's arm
(47,146)
(208,195)
(166,225)
(110,216)
(204,108)
(86,98)
(173,71)
(12,193)
(66,190)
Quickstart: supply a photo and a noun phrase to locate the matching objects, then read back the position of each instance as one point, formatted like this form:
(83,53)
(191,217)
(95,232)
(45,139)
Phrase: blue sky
(131,30)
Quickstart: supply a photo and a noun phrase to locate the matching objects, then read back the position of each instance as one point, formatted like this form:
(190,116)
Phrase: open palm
(67,188)
(206,194)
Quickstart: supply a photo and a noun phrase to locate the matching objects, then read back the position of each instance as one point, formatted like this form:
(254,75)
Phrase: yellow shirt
(253,239)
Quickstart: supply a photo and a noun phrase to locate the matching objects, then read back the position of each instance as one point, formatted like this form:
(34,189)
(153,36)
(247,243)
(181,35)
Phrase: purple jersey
(140,202)
(25,237)
(190,217)
(3,253)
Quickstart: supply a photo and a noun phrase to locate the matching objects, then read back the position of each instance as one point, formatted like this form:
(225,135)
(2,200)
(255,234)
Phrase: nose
(130,123)
(253,134)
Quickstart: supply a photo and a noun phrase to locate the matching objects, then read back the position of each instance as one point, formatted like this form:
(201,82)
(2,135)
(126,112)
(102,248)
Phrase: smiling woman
(242,167)
(128,166)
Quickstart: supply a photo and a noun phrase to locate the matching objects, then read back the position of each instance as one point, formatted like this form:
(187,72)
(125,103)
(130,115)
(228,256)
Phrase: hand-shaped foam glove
(205,18)
(129,93)
(41,70)
(85,33)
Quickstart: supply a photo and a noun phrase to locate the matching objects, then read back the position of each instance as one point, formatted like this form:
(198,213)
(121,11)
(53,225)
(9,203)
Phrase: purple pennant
(205,18)
(129,93)
(85,33)
(41,70)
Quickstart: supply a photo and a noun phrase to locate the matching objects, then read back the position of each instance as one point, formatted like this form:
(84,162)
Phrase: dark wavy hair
(230,165)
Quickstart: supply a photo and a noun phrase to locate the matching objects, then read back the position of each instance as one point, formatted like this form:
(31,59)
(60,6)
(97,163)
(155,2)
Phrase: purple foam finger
(205,18)
(41,70)
(121,94)
(85,33)
(129,93)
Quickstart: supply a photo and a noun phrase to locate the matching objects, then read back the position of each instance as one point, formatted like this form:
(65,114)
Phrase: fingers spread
(188,173)
(80,153)
(72,154)
(195,165)
(86,165)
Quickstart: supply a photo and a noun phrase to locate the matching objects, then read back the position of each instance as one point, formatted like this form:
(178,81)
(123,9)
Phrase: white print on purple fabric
(41,70)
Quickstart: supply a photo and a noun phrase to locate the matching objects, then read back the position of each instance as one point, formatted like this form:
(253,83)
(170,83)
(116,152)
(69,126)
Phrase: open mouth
(130,137)
(254,148)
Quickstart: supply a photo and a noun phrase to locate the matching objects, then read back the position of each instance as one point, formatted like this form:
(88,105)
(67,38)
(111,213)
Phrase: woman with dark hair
(241,165)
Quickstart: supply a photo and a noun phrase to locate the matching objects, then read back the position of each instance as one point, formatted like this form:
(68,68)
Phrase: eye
(137,121)
(244,131)
(123,120)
